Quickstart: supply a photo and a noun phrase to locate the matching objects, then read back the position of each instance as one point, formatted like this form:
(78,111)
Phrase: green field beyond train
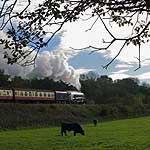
(128,134)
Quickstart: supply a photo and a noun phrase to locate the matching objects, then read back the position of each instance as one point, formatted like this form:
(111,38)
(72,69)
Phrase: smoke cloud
(53,65)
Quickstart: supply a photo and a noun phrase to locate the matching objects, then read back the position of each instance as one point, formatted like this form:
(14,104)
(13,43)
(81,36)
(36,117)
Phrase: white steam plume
(55,66)
(48,64)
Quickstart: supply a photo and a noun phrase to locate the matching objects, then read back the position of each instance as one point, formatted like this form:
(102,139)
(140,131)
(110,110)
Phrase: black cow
(71,127)
(95,122)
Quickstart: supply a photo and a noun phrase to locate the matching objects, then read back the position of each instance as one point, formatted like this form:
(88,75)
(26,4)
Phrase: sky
(124,66)
(61,62)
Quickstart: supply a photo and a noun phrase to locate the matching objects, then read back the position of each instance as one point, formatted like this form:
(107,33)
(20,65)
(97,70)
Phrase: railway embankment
(13,116)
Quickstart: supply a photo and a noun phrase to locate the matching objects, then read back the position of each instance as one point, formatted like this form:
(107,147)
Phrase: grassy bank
(29,115)
(128,134)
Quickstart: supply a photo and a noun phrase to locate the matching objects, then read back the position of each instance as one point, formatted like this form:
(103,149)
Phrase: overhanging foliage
(25,39)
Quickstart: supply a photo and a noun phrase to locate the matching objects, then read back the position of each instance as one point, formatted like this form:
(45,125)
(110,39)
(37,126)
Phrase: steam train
(41,96)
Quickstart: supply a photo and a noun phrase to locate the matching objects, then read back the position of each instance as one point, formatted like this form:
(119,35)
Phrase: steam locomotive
(41,96)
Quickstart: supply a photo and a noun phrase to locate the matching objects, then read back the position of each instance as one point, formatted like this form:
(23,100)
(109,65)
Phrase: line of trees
(104,90)
(100,90)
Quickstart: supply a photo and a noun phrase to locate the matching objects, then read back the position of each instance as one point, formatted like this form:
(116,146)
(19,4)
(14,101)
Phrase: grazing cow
(71,127)
(95,122)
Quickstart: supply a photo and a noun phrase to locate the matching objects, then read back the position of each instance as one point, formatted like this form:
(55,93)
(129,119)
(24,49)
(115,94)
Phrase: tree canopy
(25,38)
(104,90)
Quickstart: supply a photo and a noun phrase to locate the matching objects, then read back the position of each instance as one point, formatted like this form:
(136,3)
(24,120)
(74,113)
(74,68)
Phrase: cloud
(119,76)
(120,66)
(120,71)
(84,70)
(144,76)
(77,37)
(146,62)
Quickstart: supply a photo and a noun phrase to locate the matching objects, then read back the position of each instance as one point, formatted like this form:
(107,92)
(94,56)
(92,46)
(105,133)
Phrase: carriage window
(7,92)
(36,94)
(40,94)
(49,95)
(4,92)
(0,93)
(30,94)
(21,93)
(52,94)
(26,94)
(45,94)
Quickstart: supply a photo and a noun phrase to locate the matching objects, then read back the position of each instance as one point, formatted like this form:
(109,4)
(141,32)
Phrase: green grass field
(129,134)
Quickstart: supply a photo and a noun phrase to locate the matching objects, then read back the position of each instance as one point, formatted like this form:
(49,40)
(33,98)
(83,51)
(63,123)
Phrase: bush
(43,115)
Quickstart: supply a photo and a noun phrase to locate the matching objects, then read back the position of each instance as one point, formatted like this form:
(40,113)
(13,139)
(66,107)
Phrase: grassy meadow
(128,134)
